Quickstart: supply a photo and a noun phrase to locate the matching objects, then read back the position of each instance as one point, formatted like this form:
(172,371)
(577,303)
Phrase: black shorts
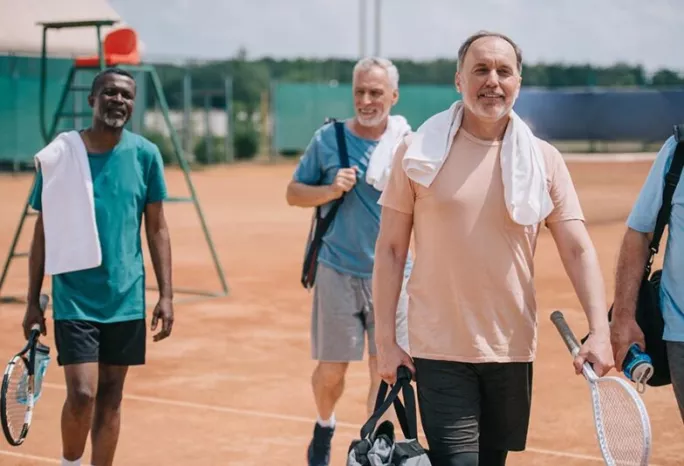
(467,407)
(116,344)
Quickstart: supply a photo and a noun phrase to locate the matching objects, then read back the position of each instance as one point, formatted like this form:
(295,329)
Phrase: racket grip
(568,337)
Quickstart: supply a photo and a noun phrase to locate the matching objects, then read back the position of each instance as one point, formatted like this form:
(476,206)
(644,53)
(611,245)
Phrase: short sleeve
(156,184)
(644,213)
(309,169)
(399,194)
(36,201)
(566,203)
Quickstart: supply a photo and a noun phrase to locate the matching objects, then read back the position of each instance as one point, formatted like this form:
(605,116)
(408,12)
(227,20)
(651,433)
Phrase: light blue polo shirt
(643,219)
(349,244)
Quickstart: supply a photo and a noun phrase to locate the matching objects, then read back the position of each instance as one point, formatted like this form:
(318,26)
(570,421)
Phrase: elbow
(290,197)
(390,253)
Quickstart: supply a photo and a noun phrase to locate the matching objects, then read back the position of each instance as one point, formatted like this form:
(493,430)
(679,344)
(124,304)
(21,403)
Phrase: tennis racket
(18,395)
(623,428)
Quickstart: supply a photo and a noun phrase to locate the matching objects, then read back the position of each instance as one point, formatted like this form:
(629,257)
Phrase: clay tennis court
(231,385)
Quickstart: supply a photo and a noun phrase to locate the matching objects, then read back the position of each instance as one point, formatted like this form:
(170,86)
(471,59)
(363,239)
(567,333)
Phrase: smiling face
(488,78)
(374,96)
(112,100)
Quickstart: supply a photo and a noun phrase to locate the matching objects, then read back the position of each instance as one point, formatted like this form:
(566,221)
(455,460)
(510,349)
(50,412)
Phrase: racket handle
(568,337)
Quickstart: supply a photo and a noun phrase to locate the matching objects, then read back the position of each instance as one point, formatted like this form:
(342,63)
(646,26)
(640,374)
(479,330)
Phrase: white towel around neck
(522,163)
(380,162)
(68,208)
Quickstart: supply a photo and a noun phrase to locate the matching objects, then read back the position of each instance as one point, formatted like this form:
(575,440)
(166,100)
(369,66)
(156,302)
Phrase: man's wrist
(385,340)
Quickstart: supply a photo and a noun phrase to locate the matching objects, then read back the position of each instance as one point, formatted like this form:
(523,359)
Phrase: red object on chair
(120,47)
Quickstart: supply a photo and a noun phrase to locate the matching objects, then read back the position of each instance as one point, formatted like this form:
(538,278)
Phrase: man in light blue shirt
(342,314)
(633,256)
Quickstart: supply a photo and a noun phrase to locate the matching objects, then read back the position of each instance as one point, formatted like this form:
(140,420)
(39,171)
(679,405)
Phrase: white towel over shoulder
(380,162)
(522,163)
(68,209)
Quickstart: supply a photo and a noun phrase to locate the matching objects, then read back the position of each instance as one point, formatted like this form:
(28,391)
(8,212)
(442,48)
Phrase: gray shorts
(342,316)
(675,356)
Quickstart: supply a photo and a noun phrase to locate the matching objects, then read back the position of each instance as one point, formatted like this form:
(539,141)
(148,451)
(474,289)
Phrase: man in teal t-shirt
(99,313)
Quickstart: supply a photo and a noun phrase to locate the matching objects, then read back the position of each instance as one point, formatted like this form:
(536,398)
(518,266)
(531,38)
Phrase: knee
(80,398)
(109,396)
(329,375)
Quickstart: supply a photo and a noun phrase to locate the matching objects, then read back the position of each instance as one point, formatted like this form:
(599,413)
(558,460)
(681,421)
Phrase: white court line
(42,459)
(618,158)
(301,419)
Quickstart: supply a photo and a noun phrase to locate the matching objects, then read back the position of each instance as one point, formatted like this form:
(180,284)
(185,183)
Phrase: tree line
(250,78)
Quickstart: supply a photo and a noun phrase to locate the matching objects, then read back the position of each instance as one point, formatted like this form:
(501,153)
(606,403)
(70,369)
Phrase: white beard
(114,122)
(371,121)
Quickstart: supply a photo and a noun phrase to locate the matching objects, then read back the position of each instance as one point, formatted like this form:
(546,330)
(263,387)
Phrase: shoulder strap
(341,144)
(671,180)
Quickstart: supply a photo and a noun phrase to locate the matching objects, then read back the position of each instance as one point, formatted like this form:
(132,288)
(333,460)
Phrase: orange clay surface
(231,386)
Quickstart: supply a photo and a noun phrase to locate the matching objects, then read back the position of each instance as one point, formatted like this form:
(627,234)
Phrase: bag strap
(406,412)
(322,224)
(341,144)
(671,180)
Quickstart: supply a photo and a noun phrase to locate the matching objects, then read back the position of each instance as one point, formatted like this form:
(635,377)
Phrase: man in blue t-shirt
(342,313)
(99,312)
(632,260)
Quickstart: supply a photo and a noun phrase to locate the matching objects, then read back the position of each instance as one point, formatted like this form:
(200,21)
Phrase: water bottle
(42,362)
(638,367)
(42,357)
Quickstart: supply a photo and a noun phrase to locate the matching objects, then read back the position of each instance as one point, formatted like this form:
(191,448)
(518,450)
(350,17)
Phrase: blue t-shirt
(349,244)
(125,179)
(643,219)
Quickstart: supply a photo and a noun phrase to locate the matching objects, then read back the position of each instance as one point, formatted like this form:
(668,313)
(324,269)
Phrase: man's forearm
(630,270)
(388,277)
(584,272)
(159,243)
(302,195)
(36,262)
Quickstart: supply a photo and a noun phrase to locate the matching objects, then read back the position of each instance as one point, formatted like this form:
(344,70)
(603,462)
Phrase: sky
(600,32)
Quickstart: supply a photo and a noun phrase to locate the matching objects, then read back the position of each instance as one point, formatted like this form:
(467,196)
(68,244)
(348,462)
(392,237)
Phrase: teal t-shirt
(125,179)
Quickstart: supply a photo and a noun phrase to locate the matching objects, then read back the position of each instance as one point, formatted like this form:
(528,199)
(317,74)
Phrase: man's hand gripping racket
(21,384)
(623,428)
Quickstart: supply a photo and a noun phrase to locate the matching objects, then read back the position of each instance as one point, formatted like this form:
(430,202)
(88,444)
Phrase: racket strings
(624,429)
(16,398)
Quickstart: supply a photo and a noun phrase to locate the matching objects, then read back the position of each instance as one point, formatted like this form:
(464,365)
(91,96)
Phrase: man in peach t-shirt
(472,310)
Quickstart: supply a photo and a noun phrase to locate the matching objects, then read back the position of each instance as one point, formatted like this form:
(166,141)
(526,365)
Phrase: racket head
(18,388)
(16,400)
(623,428)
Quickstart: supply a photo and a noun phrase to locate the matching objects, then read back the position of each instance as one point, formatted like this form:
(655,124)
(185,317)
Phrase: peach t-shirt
(471,291)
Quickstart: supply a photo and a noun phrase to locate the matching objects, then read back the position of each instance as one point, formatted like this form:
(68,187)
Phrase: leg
(81,382)
(328,384)
(675,356)
(374,386)
(506,405)
(122,344)
(337,339)
(77,344)
(449,404)
(105,433)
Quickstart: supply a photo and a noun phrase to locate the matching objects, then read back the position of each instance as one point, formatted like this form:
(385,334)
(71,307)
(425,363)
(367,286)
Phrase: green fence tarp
(298,109)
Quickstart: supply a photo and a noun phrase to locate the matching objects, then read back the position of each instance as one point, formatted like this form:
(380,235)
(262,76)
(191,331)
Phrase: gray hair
(367,63)
(479,35)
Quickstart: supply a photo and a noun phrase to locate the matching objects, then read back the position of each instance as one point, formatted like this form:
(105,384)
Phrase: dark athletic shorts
(116,344)
(467,407)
